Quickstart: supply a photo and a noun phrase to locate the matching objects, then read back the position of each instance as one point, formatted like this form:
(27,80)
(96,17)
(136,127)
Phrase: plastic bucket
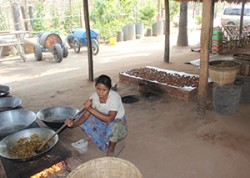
(112,40)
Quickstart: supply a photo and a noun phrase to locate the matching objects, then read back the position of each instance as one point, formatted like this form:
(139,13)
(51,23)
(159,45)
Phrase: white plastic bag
(81,146)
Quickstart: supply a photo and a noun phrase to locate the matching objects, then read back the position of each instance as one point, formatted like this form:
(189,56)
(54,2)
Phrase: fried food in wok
(25,147)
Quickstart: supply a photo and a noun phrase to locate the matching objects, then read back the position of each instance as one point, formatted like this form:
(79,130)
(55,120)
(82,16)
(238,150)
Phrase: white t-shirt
(113,103)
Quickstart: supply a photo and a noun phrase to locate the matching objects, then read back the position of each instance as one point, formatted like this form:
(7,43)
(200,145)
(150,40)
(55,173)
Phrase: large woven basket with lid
(223,72)
(106,167)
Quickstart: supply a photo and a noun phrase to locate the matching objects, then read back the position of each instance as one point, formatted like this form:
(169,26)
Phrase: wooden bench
(17,46)
(9,44)
(14,38)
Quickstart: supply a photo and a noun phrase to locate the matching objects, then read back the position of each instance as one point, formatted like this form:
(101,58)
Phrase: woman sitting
(104,119)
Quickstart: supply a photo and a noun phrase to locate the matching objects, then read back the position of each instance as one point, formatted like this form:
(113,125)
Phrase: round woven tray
(106,167)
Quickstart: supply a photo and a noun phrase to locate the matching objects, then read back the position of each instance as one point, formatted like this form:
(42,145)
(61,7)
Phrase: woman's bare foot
(111,149)
(110,154)
(90,141)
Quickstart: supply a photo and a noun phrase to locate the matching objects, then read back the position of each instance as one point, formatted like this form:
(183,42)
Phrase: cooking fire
(52,172)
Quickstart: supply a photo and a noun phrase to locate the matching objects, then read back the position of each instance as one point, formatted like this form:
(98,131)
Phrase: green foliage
(71,21)
(110,16)
(39,14)
(148,13)
(3,24)
(174,9)
(55,21)
(198,20)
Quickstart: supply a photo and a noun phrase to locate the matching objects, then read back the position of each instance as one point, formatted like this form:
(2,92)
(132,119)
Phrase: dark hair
(105,80)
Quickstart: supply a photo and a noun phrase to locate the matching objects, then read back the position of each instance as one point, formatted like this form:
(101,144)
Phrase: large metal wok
(4,90)
(14,120)
(11,140)
(55,116)
(9,103)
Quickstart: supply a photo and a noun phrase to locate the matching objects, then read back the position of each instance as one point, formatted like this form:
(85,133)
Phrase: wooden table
(14,38)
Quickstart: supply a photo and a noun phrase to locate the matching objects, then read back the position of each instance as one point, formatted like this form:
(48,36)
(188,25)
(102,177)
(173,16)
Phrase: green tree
(39,13)
(174,9)
(72,20)
(56,23)
(148,13)
(110,16)
(3,24)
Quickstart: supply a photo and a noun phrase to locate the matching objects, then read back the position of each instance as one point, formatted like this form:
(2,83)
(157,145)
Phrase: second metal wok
(9,103)
(4,90)
(55,116)
(14,120)
(11,140)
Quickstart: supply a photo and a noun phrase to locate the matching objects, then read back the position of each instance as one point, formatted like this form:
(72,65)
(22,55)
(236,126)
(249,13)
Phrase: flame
(56,168)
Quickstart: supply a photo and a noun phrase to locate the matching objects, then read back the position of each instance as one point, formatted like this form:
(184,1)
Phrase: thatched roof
(229,1)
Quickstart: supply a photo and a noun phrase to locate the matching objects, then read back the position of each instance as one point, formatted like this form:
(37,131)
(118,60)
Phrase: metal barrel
(48,40)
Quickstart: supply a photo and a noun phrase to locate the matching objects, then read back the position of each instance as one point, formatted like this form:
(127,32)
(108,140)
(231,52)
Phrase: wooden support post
(204,57)
(87,26)
(167,32)
(242,16)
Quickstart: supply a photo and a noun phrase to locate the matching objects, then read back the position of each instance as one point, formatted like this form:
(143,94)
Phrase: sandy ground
(166,139)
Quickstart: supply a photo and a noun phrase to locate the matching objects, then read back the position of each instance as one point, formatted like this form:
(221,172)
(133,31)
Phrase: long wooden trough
(176,84)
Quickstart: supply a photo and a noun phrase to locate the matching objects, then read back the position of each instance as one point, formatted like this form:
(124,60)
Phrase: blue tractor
(78,38)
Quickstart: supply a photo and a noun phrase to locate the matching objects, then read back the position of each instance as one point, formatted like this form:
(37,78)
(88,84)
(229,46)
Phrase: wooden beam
(207,7)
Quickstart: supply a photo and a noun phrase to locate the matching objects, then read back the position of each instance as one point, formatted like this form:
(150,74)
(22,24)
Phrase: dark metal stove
(25,169)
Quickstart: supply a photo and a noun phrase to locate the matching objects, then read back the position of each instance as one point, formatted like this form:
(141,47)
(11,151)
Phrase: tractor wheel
(58,53)
(65,51)
(70,39)
(95,47)
(38,52)
(77,45)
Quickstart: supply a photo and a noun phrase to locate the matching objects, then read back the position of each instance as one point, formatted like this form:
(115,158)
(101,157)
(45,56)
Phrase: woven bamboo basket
(244,60)
(223,74)
(106,167)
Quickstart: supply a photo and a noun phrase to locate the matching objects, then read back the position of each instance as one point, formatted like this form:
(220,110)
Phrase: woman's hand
(87,103)
(69,122)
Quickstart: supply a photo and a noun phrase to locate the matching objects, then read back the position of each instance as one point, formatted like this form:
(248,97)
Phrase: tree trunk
(182,36)
(167,32)
(26,22)
(16,16)
(31,16)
